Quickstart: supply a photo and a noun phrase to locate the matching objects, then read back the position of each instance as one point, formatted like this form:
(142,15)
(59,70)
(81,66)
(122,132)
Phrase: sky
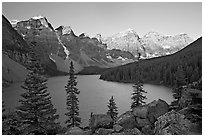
(112,17)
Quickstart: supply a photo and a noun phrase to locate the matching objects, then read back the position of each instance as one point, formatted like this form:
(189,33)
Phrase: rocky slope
(11,40)
(14,53)
(152,44)
(12,71)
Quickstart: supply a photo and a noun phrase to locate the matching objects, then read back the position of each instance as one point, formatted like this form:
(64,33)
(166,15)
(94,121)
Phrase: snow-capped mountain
(152,44)
(126,40)
(157,44)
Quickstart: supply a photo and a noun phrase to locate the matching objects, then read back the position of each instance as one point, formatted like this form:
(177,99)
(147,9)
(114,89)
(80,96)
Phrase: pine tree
(36,111)
(180,81)
(138,91)
(72,100)
(137,95)
(112,109)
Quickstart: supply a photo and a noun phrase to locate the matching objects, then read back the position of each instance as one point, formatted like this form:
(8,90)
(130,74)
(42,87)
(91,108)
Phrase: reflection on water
(93,97)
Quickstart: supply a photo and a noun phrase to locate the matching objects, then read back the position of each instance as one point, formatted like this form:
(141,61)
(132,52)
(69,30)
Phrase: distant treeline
(161,70)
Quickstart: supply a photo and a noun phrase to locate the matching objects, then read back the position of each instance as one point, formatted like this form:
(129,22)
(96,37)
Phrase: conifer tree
(72,100)
(138,91)
(180,81)
(138,96)
(36,111)
(112,109)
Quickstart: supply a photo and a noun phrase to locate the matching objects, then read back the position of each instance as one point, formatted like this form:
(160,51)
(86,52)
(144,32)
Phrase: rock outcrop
(150,112)
(172,123)
(127,120)
(143,117)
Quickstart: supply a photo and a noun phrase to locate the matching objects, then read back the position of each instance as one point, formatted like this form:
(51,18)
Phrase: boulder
(133,131)
(103,131)
(148,130)
(156,109)
(127,120)
(117,128)
(141,111)
(141,122)
(74,131)
(172,123)
(100,121)
(152,110)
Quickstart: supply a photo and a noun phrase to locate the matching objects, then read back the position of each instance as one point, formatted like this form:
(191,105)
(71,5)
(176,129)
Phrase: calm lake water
(93,97)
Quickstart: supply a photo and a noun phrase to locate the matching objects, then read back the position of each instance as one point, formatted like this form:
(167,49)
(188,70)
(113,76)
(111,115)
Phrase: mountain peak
(83,35)
(129,30)
(65,30)
(126,33)
(153,33)
(14,22)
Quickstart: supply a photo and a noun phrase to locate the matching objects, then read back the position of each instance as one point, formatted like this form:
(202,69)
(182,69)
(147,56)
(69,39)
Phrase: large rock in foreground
(152,110)
(100,121)
(127,120)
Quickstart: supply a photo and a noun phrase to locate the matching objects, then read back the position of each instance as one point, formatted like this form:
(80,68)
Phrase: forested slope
(161,70)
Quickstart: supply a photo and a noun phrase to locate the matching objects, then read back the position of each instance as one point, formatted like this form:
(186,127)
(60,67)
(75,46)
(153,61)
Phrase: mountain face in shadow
(15,46)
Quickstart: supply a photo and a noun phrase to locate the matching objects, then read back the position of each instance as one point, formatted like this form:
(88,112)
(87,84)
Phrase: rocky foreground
(155,118)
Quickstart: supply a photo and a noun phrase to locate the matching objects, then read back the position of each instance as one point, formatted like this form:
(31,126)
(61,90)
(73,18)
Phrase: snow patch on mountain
(37,17)
(50,56)
(65,49)
(121,58)
(108,56)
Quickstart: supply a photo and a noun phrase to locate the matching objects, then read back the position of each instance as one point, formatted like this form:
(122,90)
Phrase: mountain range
(152,44)
(57,47)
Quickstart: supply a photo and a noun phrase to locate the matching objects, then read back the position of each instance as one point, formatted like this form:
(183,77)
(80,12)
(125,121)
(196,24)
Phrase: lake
(94,95)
